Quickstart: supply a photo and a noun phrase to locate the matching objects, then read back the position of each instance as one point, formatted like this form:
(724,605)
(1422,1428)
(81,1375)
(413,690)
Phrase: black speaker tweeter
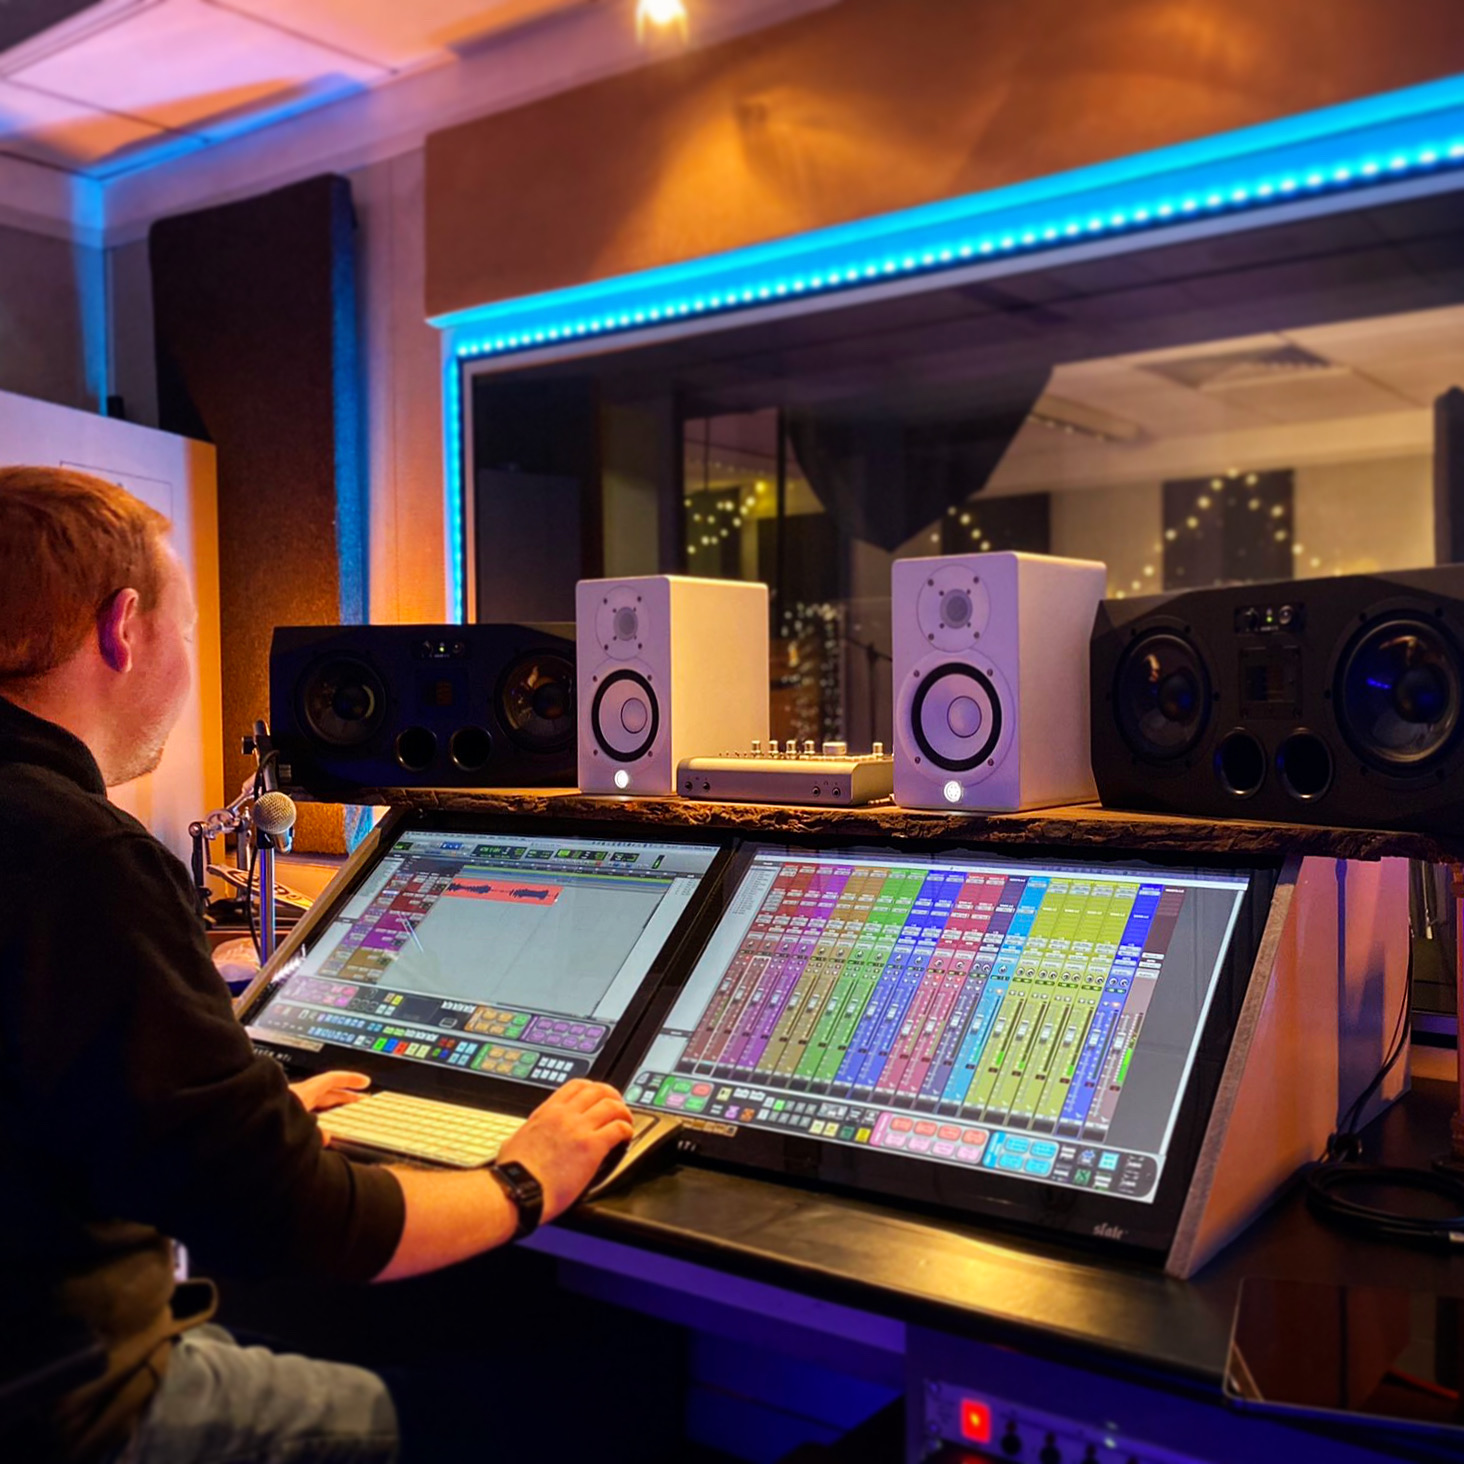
(1336,701)
(357,707)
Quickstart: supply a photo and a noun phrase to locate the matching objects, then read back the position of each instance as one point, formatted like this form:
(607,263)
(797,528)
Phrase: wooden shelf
(1085,825)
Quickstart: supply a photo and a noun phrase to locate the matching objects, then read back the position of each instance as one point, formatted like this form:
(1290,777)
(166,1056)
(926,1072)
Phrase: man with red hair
(133,1110)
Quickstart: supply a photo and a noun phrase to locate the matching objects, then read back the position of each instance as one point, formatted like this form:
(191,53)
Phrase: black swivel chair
(69,1357)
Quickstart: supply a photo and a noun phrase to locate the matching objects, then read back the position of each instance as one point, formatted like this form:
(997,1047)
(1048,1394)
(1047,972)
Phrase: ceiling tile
(68,29)
(65,134)
(395,33)
(188,65)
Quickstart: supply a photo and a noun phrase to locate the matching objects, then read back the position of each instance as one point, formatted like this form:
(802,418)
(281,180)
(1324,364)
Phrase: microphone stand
(271,818)
(262,818)
(872,657)
(264,870)
(204,831)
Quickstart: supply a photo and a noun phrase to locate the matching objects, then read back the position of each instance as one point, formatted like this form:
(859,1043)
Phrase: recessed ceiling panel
(65,134)
(1336,396)
(22,19)
(398,33)
(192,66)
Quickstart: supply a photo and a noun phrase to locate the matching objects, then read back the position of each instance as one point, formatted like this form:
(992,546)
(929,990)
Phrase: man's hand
(566,1138)
(330,1090)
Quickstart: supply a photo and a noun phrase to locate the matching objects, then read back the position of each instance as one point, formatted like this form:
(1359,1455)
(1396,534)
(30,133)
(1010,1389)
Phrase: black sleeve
(141,1088)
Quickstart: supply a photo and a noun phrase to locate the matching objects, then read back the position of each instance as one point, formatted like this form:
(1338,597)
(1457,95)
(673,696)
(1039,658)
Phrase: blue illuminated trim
(1354,146)
(455,445)
(1350,148)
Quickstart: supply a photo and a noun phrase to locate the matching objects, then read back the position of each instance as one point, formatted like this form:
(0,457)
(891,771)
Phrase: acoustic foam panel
(254,309)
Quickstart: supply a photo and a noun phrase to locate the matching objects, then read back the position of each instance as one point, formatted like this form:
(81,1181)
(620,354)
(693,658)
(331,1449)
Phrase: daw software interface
(1036,1021)
(512,957)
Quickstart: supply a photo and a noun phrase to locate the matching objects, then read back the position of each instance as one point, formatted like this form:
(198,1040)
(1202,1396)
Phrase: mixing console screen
(513,958)
(1037,1021)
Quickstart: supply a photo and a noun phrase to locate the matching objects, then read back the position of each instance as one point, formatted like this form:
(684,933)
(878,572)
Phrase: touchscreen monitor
(1035,1021)
(511,956)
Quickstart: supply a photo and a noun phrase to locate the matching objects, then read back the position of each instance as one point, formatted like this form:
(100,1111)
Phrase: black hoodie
(132,1106)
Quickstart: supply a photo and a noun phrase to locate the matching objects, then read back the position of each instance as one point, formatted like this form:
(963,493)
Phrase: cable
(1341,1168)
(1346,1135)
(249,903)
(271,759)
(1327,1184)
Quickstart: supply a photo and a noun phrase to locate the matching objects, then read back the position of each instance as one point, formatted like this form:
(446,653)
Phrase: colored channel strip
(1013,999)
(1025,1156)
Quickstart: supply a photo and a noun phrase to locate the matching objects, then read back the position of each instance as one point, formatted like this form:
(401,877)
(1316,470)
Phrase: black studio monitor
(422,706)
(1331,701)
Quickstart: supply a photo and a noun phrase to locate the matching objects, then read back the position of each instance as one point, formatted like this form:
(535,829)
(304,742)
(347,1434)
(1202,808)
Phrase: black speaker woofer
(536,702)
(415,748)
(1162,696)
(343,701)
(1240,763)
(1304,765)
(1398,693)
(1350,687)
(471,747)
(363,709)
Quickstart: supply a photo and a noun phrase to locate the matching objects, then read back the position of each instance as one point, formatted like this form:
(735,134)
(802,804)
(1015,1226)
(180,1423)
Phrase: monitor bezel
(481,1090)
(1022,1204)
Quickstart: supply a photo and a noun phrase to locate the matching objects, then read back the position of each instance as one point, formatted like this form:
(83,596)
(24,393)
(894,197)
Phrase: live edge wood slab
(1085,825)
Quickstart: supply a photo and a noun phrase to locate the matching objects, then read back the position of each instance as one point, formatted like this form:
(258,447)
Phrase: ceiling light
(659,15)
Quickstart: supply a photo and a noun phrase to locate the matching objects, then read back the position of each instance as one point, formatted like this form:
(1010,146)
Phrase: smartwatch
(524,1191)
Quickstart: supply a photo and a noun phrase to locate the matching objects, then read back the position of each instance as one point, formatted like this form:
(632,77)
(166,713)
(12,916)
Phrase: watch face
(526,1193)
(523,1180)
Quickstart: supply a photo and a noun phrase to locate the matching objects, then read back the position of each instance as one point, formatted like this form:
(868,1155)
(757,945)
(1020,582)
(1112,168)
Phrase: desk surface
(1083,825)
(982,1282)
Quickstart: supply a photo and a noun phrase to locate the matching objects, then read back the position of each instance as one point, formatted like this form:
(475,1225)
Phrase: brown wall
(43,318)
(878,105)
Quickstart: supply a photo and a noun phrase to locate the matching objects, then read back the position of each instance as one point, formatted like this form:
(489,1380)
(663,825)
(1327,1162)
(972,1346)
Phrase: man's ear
(117,629)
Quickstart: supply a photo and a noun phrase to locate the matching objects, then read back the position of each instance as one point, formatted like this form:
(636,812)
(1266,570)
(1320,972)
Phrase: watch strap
(524,1192)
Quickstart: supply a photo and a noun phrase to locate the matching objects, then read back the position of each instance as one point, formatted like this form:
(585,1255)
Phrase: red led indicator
(975,1421)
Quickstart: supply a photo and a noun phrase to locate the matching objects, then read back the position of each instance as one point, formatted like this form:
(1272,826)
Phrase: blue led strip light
(1348,148)
(454,446)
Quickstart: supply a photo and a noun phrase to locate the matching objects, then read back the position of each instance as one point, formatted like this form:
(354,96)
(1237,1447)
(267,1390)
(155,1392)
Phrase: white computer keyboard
(421,1128)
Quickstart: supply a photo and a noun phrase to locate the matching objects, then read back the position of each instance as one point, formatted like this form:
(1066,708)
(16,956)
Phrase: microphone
(273,816)
(274,813)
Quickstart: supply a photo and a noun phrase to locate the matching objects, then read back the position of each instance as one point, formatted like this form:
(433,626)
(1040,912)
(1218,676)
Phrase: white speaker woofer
(624,715)
(953,608)
(954,716)
(620,623)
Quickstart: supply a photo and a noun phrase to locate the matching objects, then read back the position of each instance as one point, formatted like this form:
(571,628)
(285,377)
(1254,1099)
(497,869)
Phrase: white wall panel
(177,477)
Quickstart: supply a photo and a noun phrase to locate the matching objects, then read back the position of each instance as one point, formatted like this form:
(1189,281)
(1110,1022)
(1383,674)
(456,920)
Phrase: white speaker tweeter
(991,680)
(668,667)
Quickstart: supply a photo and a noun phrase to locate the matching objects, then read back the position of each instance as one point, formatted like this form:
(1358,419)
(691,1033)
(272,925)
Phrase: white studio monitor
(991,680)
(669,667)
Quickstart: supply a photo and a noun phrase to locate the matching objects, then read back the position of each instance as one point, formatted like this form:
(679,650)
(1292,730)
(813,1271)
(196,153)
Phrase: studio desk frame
(869,1275)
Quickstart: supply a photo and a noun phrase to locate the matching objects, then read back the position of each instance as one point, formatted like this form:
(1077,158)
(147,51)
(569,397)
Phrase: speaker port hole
(1305,764)
(1240,764)
(415,749)
(471,748)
